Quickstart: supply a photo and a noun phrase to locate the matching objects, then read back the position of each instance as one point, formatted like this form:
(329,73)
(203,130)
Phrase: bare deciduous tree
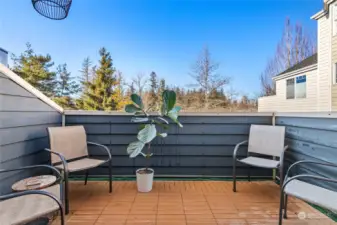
(294,46)
(205,73)
(140,82)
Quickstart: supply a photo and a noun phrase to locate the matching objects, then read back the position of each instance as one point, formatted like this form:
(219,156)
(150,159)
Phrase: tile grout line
(208,204)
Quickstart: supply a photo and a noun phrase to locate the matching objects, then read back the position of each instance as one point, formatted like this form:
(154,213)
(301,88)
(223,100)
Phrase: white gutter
(296,72)
(17,79)
(319,15)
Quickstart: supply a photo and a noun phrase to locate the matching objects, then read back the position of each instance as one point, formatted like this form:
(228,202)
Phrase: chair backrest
(266,140)
(70,141)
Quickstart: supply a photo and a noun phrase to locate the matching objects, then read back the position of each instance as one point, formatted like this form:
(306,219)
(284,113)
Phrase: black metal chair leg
(110,176)
(249,167)
(234,175)
(66,190)
(62,216)
(281,208)
(86,177)
(285,206)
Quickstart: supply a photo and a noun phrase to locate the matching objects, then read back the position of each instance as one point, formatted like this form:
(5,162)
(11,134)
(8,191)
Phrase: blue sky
(164,36)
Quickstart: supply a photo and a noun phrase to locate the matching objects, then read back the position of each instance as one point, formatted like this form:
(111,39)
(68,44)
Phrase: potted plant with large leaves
(150,128)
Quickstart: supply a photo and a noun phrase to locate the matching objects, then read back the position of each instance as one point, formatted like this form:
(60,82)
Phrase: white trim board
(114,113)
(319,15)
(17,79)
(296,72)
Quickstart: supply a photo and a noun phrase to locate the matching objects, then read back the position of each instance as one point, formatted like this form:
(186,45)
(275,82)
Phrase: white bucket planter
(144,180)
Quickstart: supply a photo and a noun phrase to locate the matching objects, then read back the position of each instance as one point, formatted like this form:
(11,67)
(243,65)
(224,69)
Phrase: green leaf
(147,134)
(139,119)
(137,100)
(131,108)
(163,135)
(169,100)
(173,114)
(135,148)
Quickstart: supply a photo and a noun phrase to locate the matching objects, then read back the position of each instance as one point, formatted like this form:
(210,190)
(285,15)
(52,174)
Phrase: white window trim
(334,20)
(294,78)
(306,93)
(334,74)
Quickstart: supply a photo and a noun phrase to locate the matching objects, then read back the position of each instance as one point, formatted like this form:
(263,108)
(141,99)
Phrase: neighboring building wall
(279,103)
(311,139)
(333,61)
(23,122)
(324,64)
(204,146)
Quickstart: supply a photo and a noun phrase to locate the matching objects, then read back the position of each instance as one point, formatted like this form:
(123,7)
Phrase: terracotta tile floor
(184,202)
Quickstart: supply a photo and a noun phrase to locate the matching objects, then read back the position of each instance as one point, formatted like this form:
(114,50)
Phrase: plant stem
(148,156)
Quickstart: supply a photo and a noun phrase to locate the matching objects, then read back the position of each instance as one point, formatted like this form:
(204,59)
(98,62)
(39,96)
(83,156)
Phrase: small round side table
(34,183)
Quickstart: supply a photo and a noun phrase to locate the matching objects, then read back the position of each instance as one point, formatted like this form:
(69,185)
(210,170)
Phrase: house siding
(279,103)
(24,119)
(311,139)
(333,61)
(204,146)
(324,64)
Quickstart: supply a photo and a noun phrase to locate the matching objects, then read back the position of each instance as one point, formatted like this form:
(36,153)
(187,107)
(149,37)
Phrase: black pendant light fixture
(52,9)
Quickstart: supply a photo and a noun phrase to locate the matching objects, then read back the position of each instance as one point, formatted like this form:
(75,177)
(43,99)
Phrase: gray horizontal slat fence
(311,139)
(23,122)
(204,146)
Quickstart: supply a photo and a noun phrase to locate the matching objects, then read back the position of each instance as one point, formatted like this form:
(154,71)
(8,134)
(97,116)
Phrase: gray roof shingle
(311,60)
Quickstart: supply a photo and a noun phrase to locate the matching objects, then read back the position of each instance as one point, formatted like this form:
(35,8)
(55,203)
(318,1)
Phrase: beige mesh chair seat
(265,141)
(303,186)
(261,162)
(82,164)
(26,208)
(69,152)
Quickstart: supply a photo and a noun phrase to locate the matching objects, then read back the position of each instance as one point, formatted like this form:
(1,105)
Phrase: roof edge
(296,72)
(17,79)
(319,15)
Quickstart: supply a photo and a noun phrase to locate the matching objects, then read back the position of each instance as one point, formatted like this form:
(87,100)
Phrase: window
(297,87)
(290,88)
(301,87)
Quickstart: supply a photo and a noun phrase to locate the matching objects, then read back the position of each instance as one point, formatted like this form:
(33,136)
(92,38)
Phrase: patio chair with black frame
(295,186)
(69,153)
(26,206)
(263,140)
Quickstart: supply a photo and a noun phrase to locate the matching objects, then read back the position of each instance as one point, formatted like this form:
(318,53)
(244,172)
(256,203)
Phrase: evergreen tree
(100,91)
(35,69)
(162,87)
(85,73)
(65,87)
(153,95)
(65,84)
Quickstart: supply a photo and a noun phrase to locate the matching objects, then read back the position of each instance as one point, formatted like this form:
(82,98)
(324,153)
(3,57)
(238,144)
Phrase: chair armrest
(33,167)
(308,162)
(103,146)
(63,159)
(308,176)
(237,148)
